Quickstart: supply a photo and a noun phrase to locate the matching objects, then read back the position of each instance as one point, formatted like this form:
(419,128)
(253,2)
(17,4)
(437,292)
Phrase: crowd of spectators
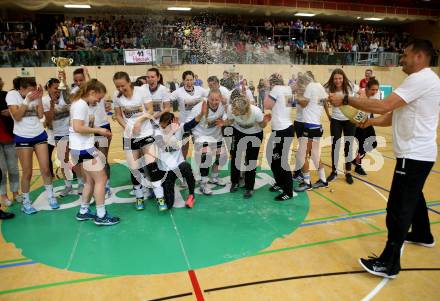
(209,39)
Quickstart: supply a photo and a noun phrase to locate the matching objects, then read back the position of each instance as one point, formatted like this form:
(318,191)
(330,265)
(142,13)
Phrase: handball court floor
(316,259)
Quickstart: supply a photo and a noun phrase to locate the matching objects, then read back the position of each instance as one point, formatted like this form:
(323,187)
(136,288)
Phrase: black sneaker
(303,186)
(234,187)
(411,239)
(359,170)
(6,215)
(86,216)
(349,178)
(275,188)
(333,175)
(107,220)
(283,197)
(376,267)
(248,194)
(320,184)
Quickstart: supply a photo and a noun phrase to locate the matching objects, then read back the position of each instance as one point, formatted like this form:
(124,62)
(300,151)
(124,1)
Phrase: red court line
(195,285)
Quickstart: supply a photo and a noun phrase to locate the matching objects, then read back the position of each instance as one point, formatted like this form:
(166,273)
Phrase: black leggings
(252,150)
(280,142)
(184,170)
(206,158)
(50,147)
(336,129)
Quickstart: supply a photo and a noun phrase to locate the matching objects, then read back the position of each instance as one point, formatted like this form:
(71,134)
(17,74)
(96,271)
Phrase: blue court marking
(11,265)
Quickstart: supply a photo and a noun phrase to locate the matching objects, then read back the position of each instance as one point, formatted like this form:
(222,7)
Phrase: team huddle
(156,140)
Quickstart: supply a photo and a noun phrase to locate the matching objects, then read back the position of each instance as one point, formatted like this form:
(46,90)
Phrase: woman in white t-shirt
(248,122)
(134,112)
(312,101)
(85,154)
(298,125)
(56,112)
(170,140)
(26,108)
(187,97)
(280,100)
(338,83)
(158,94)
(366,136)
(208,140)
(99,111)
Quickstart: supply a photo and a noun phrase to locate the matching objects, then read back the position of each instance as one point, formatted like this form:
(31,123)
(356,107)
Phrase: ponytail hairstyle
(26,82)
(167,117)
(50,82)
(16,83)
(276,79)
(240,103)
(91,85)
(123,75)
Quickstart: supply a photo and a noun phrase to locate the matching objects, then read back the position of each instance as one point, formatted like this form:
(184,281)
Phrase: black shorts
(21,142)
(311,133)
(106,126)
(80,156)
(299,128)
(136,143)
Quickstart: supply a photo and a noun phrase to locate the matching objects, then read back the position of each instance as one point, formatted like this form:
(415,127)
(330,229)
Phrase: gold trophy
(62,62)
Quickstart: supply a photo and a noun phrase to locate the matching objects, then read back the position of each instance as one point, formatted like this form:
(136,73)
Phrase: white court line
(384,281)
(376,290)
(378,192)
(180,241)
(74,247)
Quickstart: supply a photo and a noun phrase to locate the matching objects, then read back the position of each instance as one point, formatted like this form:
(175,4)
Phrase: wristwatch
(345,100)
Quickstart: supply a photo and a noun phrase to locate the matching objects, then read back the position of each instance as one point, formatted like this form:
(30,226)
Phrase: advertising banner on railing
(138,56)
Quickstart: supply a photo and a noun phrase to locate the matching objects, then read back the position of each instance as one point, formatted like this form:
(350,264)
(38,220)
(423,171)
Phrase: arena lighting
(373,19)
(77,6)
(305,15)
(179,8)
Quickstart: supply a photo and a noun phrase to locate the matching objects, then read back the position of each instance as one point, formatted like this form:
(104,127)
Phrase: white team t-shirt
(415,125)
(283,97)
(206,130)
(188,100)
(336,112)
(98,111)
(312,112)
(61,117)
(299,113)
(79,110)
(226,94)
(160,96)
(133,108)
(170,152)
(247,124)
(29,126)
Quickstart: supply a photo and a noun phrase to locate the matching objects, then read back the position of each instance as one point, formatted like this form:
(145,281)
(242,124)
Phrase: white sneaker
(217,181)
(205,189)
(67,190)
(132,193)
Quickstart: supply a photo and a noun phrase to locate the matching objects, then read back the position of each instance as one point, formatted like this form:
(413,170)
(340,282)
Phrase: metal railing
(98,57)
